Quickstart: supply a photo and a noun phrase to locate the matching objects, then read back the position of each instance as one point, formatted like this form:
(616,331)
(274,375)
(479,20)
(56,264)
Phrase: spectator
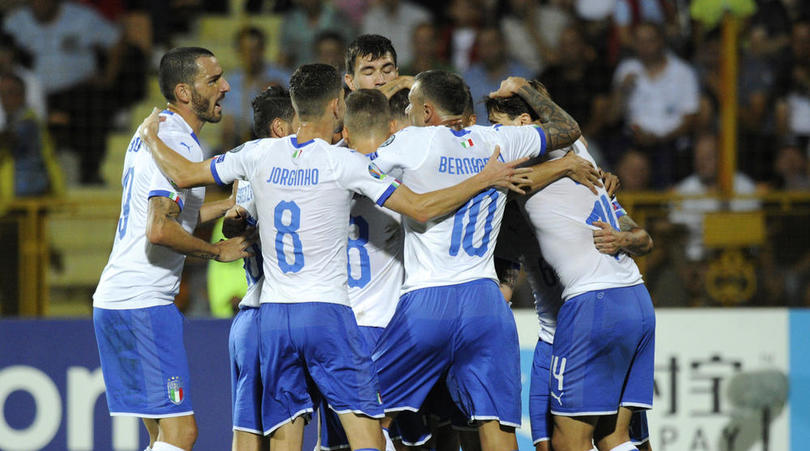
(793,106)
(703,181)
(426,51)
(634,171)
(303,23)
(533,30)
(578,82)
(790,167)
(330,49)
(396,20)
(458,39)
(658,95)
(27,166)
(63,39)
(755,94)
(34,95)
(253,75)
(494,66)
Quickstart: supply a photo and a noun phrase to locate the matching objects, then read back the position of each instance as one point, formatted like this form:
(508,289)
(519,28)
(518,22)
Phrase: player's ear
(429,112)
(345,133)
(182,92)
(525,119)
(348,79)
(277,128)
(392,126)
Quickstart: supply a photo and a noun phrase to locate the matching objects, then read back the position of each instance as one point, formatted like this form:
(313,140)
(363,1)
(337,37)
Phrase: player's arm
(162,229)
(571,165)
(180,171)
(631,238)
(426,206)
(217,209)
(560,129)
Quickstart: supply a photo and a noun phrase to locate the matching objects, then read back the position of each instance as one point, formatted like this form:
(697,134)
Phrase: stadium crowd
(641,78)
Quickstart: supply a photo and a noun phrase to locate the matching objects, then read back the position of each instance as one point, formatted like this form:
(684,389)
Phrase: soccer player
(303,187)
(138,328)
(452,318)
(602,353)
(371,62)
(273,117)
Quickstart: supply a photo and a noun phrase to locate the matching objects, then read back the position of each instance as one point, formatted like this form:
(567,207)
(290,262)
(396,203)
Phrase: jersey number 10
(463,235)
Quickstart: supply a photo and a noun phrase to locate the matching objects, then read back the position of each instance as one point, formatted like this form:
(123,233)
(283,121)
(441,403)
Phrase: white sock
(389,444)
(626,446)
(163,446)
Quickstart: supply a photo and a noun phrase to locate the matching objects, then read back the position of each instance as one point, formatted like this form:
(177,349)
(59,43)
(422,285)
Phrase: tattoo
(626,223)
(560,128)
(204,255)
(508,272)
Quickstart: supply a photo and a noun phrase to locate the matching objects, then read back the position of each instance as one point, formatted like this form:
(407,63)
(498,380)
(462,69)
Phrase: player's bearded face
(206,108)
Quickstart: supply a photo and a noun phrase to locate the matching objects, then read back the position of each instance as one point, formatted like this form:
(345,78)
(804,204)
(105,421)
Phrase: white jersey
(456,248)
(518,244)
(254,272)
(375,262)
(303,194)
(562,215)
(138,273)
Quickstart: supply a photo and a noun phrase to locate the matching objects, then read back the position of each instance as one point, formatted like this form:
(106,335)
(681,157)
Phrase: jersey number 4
(463,234)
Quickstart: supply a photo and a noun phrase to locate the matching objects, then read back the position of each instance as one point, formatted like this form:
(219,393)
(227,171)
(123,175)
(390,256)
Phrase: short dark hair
(512,106)
(179,65)
(312,86)
(367,109)
(446,89)
(398,103)
(274,102)
(251,32)
(372,45)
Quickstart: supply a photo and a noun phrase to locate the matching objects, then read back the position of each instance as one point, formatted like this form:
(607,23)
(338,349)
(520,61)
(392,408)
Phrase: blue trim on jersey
(165,193)
(459,133)
(388,192)
(297,145)
(214,170)
(170,113)
(372,156)
(194,135)
(251,221)
(543,143)
(497,126)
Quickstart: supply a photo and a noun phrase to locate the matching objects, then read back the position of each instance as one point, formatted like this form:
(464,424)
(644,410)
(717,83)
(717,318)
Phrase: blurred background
(701,107)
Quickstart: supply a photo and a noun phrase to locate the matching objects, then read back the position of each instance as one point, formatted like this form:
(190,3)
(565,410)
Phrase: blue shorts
(408,427)
(603,353)
(309,350)
(465,331)
(246,378)
(639,430)
(539,414)
(143,361)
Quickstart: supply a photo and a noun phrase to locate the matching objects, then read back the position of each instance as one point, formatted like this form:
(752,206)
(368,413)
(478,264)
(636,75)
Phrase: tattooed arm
(631,238)
(508,273)
(560,128)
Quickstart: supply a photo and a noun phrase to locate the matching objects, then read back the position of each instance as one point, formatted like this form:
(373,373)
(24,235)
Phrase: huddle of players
(447,330)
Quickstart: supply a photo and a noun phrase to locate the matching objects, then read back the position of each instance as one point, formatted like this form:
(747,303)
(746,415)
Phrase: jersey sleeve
(160,186)
(358,173)
(617,208)
(233,165)
(521,141)
(245,199)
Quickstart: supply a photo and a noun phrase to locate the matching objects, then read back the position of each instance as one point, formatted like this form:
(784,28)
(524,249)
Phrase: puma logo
(188,147)
(558,398)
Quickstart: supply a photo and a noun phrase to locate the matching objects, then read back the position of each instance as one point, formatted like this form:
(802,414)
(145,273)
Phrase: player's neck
(322,129)
(366,144)
(189,116)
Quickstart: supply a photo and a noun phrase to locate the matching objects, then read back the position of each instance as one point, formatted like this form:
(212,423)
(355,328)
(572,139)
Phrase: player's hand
(606,239)
(505,175)
(235,248)
(582,171)
(235,221)
(149,127)
(396,85)
(612,183)
(509,87)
